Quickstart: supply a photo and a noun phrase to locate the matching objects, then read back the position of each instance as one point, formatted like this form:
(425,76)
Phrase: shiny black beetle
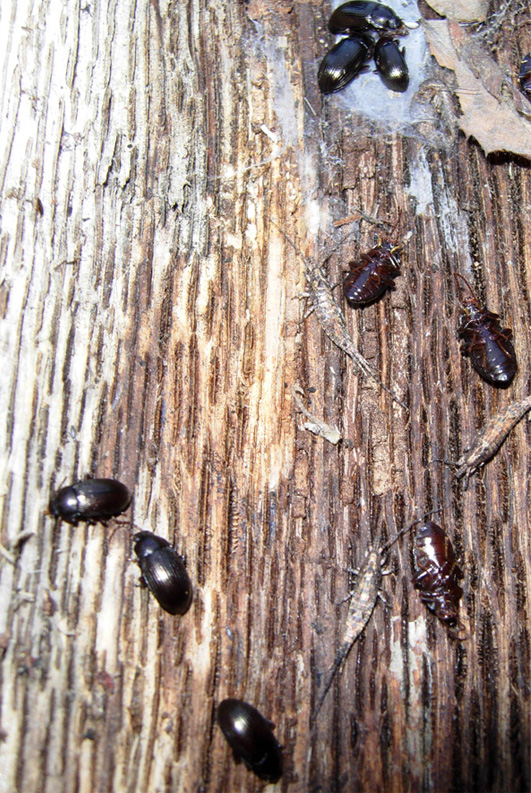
(251,738)
(486,342)
(391,64)
(524,76)
(90,500)
(343,62)
(163,572)
(358,15)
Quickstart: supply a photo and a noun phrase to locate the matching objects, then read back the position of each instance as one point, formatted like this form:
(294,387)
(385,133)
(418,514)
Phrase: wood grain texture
(152,329)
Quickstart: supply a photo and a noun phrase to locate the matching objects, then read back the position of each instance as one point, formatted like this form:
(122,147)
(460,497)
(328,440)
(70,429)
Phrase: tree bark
(153,331)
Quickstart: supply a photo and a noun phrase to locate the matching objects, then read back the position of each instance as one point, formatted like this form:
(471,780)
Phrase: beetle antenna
(472,297)
(408,528)
(358,213)
(397,225)
(326,256)
(126,523)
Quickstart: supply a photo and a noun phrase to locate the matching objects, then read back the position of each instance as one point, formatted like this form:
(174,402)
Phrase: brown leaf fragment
(461,10)
(489,102)
(491,438)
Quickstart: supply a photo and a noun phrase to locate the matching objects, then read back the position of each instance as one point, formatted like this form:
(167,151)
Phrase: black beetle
(251,738)
(163,572)
(524,76)
(360,15)
(343,62)
(391,64)
(90,500)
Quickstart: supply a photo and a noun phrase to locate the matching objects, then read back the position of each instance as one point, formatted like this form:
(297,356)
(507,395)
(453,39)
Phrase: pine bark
(153,329)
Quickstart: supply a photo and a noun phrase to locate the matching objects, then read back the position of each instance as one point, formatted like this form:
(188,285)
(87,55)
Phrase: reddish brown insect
(437,573)
(524,76)
(372,274)
(488,344)
(330,316)
(491,437)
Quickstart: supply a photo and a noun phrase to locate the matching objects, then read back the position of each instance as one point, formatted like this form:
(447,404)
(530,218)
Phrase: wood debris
(491,438)
(315,425)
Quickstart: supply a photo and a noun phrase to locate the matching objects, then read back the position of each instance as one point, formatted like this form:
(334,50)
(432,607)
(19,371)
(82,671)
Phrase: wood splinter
(317,426)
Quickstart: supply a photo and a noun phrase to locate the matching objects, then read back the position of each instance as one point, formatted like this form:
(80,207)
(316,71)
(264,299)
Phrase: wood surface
(153,329)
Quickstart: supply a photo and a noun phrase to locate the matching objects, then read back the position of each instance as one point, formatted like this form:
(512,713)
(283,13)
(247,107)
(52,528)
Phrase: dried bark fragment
(314,424)
(491,438)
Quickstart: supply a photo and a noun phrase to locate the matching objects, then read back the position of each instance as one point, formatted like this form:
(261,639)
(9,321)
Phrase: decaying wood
(491,438)
(152,331)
